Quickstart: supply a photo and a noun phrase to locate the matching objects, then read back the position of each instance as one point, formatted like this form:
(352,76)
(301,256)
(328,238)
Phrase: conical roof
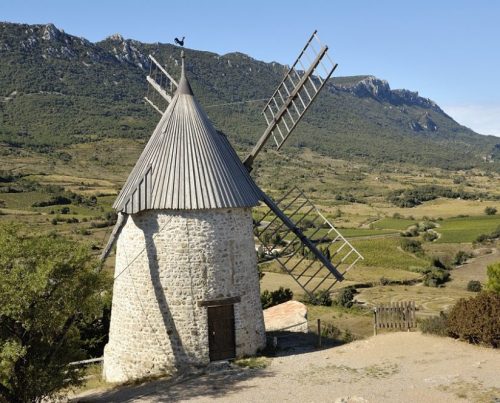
(187,164)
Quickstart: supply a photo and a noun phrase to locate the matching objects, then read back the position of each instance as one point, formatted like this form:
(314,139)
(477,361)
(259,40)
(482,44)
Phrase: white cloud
(483,119)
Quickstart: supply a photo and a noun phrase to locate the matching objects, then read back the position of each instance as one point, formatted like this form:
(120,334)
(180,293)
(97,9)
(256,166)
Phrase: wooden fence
(396,315)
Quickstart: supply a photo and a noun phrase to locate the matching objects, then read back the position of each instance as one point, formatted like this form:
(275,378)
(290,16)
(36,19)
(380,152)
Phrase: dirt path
(474,269)
(395,367)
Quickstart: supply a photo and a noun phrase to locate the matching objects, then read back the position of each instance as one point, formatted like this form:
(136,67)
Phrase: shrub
(474,286)
(493,272)
(277,240)
(345,297)
(418,195)
(477,319)
(437,325)
(488,237)
(412,231)
(439,263)
(461,257)
(426,225)
(321,297)
(436,276)
(347,337)
(384,281)
(482,238)
(490,210)
(53,201)
(330,331)
(430,236)
(276,297)
(411,246)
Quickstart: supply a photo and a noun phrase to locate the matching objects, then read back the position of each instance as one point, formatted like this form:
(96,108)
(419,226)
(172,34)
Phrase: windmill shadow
(180,358)
(295,343)
(210,383)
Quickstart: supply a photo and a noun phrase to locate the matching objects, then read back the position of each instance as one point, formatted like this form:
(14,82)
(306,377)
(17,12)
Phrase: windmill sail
(304,243)
(295,94)
(161,87)
(314,263)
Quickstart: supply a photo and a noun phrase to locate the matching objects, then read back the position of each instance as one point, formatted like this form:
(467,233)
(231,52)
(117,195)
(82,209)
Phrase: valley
(367,219)
(379,163)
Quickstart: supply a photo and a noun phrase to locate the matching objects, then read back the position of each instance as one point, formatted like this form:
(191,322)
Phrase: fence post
(374,321)
(319,332)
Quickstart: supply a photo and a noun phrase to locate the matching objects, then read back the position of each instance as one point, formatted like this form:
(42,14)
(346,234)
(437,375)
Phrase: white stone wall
(166,262)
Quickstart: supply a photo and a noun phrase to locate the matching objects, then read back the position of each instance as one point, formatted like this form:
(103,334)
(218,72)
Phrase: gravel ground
(392,367)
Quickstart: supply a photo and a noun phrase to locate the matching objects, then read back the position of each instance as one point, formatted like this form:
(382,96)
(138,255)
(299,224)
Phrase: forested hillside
(58,89)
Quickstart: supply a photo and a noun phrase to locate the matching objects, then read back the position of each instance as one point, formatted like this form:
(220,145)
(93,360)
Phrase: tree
(48,285)
(345,297)
(490,210)
(493,272)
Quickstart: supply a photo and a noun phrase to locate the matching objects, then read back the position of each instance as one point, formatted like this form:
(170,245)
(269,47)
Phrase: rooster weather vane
(179,42)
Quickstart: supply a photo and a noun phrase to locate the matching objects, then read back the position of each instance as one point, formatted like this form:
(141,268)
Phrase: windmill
(302,240)
(186,289)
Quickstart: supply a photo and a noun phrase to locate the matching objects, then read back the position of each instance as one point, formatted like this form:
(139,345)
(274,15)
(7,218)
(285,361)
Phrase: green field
(385,252)
(23,200)
(360,232)
(394,223)
(349,232)
(466,229)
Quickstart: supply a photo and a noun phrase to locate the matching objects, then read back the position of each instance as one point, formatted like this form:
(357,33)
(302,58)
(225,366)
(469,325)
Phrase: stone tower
(186,288)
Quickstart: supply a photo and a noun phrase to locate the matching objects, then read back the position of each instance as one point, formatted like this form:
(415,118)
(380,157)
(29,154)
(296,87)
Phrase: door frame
(211,305)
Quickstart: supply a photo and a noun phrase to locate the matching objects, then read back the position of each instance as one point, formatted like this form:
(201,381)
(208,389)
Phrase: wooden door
(221,341)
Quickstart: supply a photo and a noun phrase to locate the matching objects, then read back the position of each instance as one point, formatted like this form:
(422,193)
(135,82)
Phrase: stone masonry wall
(166,262)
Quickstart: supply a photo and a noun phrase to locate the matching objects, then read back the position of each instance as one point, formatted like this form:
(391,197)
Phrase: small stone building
(186,288)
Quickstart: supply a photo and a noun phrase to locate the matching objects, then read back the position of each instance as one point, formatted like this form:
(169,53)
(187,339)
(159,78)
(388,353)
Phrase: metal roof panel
(187,165)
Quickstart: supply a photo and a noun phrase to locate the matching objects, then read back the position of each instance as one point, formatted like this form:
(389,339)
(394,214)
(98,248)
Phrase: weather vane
(179,42)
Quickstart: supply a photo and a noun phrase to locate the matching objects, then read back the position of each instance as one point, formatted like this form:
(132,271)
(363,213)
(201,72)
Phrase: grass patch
(253,362)
(23,200)
(386,252)
(466,229)
(360,232)
(358,321)
(394,223)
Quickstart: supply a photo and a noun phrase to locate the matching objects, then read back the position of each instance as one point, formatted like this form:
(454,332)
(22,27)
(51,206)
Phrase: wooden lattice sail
(298,258)
(324,264)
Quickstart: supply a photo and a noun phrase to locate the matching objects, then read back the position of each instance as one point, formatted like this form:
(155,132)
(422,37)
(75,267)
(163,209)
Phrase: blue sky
(448,51)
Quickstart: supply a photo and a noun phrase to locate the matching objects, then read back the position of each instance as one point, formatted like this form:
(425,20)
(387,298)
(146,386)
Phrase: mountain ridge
(82,91)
